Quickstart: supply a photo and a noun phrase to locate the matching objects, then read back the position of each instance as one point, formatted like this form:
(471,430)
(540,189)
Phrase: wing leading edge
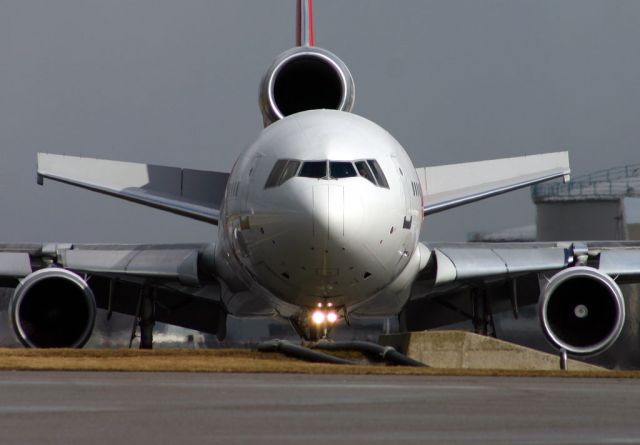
(448,186)
(195,194)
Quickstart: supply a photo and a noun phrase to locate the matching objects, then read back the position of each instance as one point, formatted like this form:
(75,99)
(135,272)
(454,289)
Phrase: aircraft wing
(447,186)
(181,279)
(485,262)
(562,278)
(117,273)
(471,262)
(196,194)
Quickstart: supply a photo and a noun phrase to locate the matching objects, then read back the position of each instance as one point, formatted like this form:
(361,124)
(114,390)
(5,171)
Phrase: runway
(194,408)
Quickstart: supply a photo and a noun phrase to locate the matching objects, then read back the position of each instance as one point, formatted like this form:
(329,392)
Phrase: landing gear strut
(315,324)
(477,310)
(145,319)
(482,314)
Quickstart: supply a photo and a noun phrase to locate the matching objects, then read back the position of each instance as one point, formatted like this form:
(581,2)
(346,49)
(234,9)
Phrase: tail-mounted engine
(53,308)
(305,78)
(582,311)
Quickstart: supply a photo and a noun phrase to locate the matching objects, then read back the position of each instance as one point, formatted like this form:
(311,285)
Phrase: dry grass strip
(233,360)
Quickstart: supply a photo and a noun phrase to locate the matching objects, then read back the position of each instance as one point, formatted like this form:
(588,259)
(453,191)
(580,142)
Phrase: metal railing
(603,184)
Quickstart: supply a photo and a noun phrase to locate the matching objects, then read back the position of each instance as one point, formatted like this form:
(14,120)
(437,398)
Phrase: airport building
(604,205)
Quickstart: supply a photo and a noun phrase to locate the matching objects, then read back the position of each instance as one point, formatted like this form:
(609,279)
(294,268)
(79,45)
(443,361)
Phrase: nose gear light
(318,317)
(322,315)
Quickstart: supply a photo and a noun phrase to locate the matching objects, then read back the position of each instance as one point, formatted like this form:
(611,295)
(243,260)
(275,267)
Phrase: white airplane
(319,220)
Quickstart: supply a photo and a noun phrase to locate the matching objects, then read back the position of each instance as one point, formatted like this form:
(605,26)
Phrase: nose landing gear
(315,323)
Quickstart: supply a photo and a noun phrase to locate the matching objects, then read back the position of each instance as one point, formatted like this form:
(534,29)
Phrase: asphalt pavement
(201,408)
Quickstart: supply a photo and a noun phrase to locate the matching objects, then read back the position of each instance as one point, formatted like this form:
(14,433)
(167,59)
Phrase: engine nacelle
(53,308)
(582,310)
(305,78)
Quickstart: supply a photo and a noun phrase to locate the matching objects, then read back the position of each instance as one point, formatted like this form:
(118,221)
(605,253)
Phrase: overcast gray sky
(175,83)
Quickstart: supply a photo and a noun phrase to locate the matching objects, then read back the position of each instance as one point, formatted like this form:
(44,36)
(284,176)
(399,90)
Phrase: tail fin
(304,27)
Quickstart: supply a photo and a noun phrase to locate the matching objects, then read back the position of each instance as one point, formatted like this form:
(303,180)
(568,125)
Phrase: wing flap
(447,186)
(195,194)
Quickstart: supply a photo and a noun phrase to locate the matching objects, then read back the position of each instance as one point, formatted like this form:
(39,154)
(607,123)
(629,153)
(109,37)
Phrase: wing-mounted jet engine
(582,310)
(53,308)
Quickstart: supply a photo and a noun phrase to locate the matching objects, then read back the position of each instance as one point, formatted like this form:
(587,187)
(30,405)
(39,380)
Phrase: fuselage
(324,207)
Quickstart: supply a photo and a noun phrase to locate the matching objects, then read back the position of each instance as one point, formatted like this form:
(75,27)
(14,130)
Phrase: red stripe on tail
(304,23)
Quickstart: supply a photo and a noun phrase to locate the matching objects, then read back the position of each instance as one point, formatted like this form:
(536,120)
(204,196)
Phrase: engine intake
(53,308)
(582,311)
(305,78)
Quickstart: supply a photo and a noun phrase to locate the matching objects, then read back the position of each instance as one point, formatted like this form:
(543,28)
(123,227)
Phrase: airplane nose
(336,219)
(324,248)
(325,241)
(328,215)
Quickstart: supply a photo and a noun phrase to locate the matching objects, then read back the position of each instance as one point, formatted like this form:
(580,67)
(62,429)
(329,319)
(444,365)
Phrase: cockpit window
(276,172)
(283,170)
(341,169)
(290,170)
(377,172)
(314,169)
(365,171)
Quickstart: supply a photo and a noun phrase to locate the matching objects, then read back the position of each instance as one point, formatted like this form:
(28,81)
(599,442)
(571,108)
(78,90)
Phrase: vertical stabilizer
(304,24)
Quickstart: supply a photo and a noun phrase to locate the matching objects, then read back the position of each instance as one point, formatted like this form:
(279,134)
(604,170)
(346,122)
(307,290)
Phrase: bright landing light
(318,317)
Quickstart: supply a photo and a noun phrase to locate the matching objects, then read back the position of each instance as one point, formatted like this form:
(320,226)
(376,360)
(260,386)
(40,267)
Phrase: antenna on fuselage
(304,23)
